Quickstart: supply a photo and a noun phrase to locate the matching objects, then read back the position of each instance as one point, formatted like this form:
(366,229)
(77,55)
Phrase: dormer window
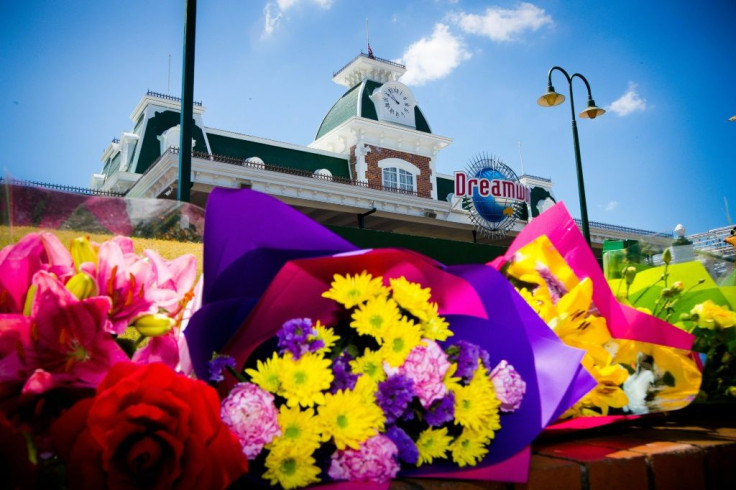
(170,138)
(398,178)
(398,174)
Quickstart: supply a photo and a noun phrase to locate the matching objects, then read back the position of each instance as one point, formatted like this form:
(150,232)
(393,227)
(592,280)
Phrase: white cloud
(499,24)
(434,57)
(287,4)
(629,102)
(611,205)
(271,18)
(274,11)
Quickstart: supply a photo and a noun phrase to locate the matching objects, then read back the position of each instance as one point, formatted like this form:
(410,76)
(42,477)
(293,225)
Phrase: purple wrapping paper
(249,236)
(256,277)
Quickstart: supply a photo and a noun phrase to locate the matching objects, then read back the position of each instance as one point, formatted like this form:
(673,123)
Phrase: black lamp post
(552,98)
(187,101)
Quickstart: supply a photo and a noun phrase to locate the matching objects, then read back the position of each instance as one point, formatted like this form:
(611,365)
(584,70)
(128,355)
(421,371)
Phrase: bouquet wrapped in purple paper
(367,365)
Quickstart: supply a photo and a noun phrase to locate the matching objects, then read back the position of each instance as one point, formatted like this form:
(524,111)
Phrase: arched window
(398,178)
(398,174)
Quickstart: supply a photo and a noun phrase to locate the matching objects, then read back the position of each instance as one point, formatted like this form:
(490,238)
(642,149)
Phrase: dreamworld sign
(492,194)
(485,187)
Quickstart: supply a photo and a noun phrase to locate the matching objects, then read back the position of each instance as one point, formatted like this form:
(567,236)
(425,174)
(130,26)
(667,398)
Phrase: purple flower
(441,411)
(394,395)
(408,452)
(315,344)
(467,359)
(509,386)
(556,288)
(294,335)
(217,364)
(344,379)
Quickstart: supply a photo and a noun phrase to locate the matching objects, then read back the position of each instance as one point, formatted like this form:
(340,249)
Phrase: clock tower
(379,125)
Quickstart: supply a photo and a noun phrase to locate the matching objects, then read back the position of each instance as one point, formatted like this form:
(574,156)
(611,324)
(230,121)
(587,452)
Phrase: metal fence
(624,229)
(169,97)
(363,55)
(58,187)
(287,170)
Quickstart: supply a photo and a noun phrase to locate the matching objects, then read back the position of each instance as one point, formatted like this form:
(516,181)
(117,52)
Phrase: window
(398,178)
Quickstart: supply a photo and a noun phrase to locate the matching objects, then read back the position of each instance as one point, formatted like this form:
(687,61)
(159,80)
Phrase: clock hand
(391,95)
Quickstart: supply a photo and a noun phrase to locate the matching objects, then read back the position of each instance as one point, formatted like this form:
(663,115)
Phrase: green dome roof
(357,102)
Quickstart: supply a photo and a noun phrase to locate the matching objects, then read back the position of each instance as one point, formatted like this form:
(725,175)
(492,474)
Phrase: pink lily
(19,262)
(164,349)
(174,281)
(69,342)
(124,278)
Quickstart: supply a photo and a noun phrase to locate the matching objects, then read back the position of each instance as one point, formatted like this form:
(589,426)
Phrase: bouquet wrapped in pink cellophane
(641,364)
(367,365)
(95,389)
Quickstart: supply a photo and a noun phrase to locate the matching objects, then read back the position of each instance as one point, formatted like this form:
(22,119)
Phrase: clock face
(396,102)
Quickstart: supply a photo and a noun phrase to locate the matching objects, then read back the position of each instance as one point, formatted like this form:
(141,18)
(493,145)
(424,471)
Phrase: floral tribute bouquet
(697,299)
(641,364)
(92,393)
(369,365)
(376,387)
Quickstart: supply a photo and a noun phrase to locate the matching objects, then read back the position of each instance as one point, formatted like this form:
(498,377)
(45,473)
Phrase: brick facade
(374,177)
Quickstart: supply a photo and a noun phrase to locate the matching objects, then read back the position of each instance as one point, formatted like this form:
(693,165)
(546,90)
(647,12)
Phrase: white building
(371,165)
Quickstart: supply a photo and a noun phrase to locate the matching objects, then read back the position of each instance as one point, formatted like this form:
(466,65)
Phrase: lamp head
(592,111)
(551,98)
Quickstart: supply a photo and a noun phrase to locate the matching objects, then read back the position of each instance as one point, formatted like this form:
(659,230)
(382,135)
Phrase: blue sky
(665,153)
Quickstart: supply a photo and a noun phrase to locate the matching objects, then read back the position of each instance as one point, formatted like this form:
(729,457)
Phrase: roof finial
(368,39)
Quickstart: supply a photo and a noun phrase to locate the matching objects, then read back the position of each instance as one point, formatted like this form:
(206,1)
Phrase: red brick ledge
(692,449)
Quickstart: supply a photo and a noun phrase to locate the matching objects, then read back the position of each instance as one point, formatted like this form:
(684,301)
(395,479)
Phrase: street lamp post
(187,101)
(552,98)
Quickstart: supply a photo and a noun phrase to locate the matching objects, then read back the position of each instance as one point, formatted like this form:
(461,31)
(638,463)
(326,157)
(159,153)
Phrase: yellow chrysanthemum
(376,317)
(434,327)
(432,443)
(291,467)
(476,405)
(411,296)
(351,291)
(370,364)
(450,381)
(266,374)
(326,335)
(349,418)
(366,388)
(399,341)
(303,380)
(299,428)
(469,448)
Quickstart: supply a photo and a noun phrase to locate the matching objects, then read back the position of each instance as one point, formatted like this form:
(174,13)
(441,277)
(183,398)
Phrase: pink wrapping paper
(623,321)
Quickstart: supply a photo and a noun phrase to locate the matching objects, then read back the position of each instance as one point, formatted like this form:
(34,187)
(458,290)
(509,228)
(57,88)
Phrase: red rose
(148,427)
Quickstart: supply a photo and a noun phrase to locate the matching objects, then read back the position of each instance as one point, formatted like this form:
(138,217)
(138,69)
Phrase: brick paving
(694,448)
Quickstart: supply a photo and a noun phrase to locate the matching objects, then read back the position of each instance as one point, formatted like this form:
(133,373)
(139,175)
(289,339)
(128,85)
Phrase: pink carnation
(376,461)
(426,365)
(251,414)
(509,386)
